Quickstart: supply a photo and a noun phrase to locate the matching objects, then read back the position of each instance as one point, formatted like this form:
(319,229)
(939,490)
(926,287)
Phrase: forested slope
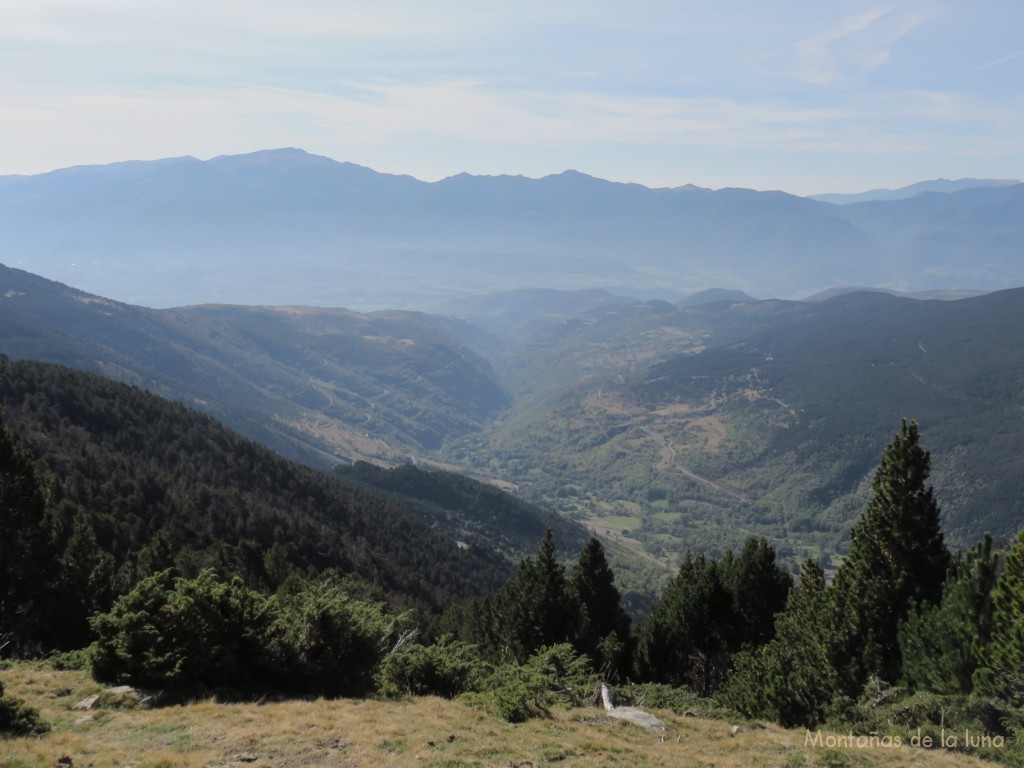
(467,509)
(816,388)
(137,484)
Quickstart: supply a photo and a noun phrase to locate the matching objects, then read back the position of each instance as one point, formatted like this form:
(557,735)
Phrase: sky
(807,96)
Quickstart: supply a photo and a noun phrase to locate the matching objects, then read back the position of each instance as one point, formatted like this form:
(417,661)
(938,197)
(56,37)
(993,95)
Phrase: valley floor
(417,732)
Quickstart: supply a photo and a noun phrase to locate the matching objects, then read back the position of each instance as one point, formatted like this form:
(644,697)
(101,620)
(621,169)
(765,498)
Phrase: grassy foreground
(418,732)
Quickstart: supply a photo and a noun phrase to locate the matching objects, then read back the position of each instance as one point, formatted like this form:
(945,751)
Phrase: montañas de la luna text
(944,740)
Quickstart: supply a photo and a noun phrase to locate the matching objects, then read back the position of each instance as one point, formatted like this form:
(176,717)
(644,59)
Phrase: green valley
(662,427)
(694,428)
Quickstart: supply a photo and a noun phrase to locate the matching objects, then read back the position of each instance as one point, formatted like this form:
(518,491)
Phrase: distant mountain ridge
(283,227)
(944,186)
(711,295)
(946,295)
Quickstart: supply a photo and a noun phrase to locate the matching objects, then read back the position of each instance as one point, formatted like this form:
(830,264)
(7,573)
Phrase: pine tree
(85,587)
(27,553)
(790,679)
(535,609)
(1001,661)
(603,631)
(685,640)
(940,644)
(897,562)
(759,590)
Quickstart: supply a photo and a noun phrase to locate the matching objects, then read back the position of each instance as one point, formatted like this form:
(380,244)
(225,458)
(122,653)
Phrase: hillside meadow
(422,731)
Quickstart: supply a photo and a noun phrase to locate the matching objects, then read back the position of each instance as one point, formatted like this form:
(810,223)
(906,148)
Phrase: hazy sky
(802,95)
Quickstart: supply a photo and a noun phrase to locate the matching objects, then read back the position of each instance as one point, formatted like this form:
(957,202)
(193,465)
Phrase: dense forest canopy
(139,484)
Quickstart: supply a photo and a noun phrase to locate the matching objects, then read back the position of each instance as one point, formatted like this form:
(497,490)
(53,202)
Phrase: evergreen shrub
(19,719)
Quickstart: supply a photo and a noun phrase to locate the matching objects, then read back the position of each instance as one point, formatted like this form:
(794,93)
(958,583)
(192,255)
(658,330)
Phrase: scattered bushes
(555,674)
(983,727)
(681,701)
(182,635)
(446,668)
(17,718)
(512,691)
(320,640)
(187,635)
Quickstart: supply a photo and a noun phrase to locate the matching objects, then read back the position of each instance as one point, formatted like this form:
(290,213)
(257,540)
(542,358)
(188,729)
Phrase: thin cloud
(996,62)
(461,85)
(356,120)
(817,63)
(859,42)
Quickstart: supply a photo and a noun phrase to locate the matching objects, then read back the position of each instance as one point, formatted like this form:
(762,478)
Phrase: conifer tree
(535,608)
(27,551)
(603,631)
(685,640)
(759,590)
(1001,661)
(897,562)
(790,679)
(84,587)
(940,644)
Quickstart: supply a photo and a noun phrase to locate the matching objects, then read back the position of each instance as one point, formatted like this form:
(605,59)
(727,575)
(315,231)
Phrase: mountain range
(283,227)
(662,426)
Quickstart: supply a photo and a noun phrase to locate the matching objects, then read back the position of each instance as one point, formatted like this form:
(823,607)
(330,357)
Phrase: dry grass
(421,732)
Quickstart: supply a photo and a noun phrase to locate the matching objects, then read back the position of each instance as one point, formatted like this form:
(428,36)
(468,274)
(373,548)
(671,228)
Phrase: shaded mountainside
(515,314)
(478,513)
(318,385)
(286,227)
(468,510)
(550,353)
(160,485)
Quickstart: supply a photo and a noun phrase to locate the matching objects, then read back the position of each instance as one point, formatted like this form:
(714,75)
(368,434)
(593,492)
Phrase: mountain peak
(279,156)
(269,153)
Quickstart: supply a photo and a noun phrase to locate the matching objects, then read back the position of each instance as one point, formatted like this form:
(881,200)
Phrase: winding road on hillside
(690,473)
